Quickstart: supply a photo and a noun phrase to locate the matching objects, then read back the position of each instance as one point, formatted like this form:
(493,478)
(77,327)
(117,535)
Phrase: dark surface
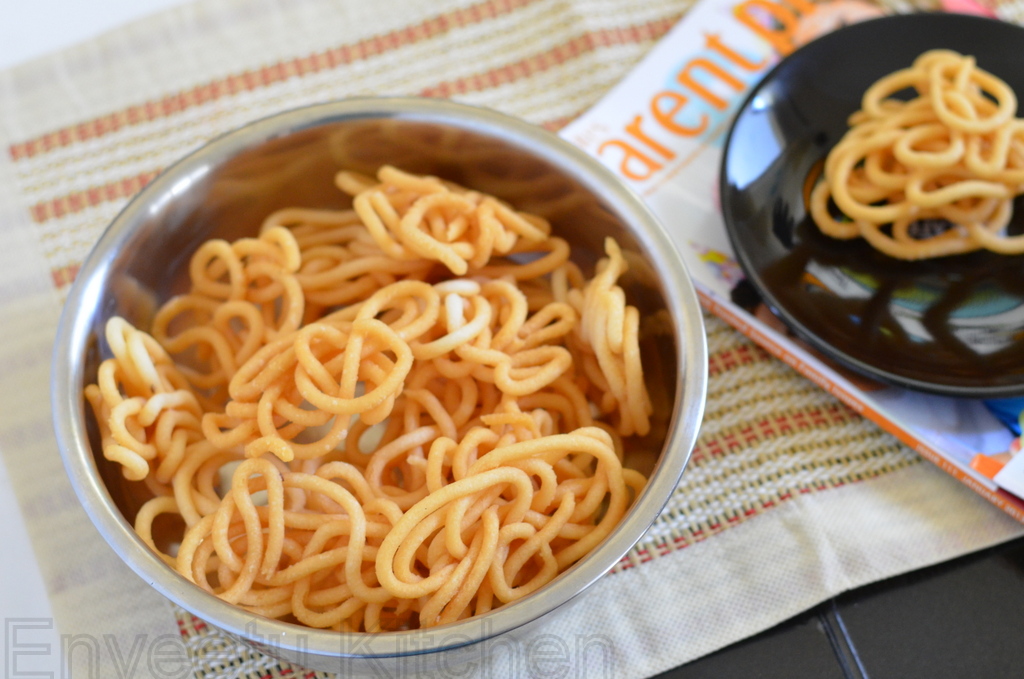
(948,325)
(958,619)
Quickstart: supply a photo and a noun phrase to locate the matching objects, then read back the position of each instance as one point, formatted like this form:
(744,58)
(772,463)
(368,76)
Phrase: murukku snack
(931,176)
(384,418)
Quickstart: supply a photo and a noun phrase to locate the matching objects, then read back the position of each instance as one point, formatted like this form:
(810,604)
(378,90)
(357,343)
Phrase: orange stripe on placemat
(730,359)
(774,426)
(268,75)
(80,200)
(64,275)
(572,49)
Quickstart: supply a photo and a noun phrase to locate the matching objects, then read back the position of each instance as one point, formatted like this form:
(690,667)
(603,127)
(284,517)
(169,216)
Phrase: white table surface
(32,28)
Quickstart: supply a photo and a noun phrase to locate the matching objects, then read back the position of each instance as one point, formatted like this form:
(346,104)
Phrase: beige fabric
(91,592)
(790,497)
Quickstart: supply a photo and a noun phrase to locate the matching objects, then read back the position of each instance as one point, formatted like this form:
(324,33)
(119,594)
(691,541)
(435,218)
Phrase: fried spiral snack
(952,156)
(384,418)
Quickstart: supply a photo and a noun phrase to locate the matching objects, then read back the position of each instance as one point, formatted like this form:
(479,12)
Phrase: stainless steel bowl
(225,188)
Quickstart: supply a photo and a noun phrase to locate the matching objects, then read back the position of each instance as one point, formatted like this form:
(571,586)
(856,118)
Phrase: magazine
(662,130)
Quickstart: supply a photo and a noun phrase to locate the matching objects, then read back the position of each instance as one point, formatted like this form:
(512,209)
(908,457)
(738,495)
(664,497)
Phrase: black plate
(953,325)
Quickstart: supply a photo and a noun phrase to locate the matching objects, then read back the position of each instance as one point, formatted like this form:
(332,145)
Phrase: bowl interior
(230,186)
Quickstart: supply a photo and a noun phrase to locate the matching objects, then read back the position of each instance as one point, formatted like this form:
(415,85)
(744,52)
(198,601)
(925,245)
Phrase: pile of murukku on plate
(929,176)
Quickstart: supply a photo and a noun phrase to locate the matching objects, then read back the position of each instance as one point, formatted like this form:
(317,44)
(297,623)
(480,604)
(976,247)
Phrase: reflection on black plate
(953,325)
